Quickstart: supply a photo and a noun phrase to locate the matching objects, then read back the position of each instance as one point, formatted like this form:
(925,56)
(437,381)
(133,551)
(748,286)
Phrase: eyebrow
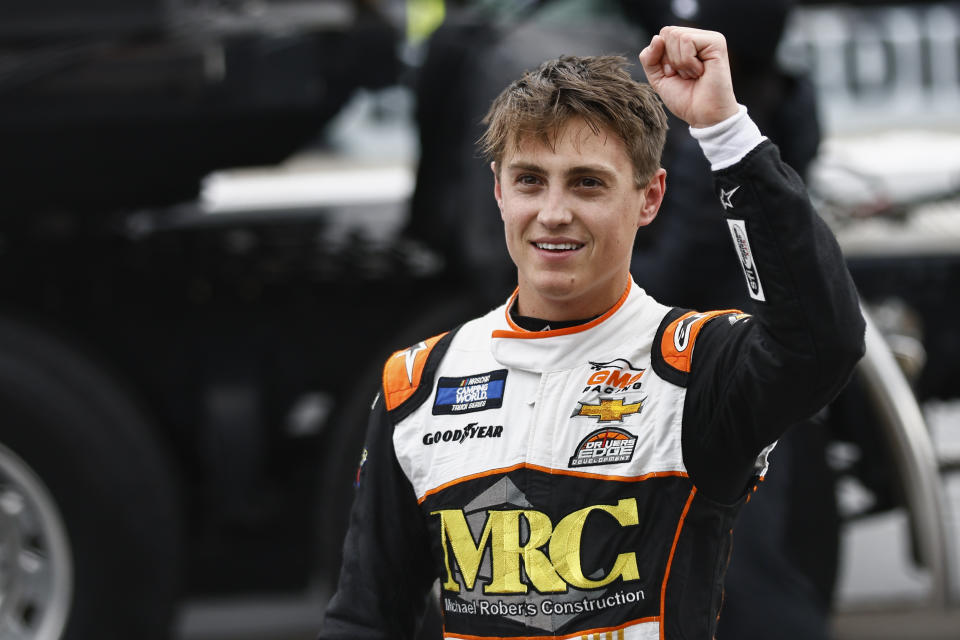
(588,169)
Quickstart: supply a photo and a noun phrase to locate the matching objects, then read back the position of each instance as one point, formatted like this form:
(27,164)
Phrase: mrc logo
(548,553)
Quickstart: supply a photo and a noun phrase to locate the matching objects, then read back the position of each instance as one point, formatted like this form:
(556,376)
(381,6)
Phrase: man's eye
(527,179)
(590,183)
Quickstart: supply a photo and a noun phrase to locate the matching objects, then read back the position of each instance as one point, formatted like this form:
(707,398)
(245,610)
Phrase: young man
(570,465)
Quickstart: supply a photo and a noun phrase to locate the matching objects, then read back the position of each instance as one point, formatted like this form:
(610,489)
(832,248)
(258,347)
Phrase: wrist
(728,141)
(717,117)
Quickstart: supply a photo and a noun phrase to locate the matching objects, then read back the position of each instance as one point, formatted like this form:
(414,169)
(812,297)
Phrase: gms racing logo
(604,446)
(612,377)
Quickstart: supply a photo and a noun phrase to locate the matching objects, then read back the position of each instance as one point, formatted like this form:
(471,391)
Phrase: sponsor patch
(609,409)
(615,376)
(738,230)
(471,393)
(610,445)
(472,430)
(505,558)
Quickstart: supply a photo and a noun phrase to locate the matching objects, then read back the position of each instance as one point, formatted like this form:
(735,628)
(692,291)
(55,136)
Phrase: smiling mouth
(558,247)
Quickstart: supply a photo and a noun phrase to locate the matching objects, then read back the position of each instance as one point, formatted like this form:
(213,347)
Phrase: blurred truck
(175,385)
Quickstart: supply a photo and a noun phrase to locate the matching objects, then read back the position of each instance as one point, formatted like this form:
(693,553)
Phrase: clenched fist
(690,71)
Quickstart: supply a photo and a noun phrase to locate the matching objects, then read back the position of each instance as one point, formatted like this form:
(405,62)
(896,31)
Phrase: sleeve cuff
(727,142)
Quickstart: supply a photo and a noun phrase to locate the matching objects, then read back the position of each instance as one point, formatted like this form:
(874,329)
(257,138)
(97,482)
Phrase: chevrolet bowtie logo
(609,410)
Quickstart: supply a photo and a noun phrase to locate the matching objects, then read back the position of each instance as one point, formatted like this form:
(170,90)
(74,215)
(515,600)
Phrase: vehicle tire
(89,517)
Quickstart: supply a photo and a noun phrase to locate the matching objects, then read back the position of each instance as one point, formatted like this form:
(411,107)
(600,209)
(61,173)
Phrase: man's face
(570,216)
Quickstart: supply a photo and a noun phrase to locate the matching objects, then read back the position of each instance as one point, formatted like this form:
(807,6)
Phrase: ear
(653,197)
(497,192)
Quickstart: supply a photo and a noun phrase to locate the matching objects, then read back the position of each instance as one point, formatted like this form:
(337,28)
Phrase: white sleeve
(727,142)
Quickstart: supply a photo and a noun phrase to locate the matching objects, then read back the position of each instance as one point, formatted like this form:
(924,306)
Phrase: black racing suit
(749,381)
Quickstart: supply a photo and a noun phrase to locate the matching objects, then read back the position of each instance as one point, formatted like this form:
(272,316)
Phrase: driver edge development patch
(609,445)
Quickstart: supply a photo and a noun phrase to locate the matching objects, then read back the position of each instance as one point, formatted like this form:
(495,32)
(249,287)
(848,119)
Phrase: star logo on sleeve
(410,357)
(726,197)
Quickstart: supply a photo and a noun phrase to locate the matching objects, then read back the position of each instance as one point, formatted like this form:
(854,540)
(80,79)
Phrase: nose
(554,211)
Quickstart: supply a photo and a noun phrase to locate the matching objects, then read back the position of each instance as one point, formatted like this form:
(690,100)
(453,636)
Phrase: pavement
(898,625)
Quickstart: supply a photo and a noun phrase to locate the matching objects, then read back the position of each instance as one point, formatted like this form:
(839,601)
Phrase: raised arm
(752,378)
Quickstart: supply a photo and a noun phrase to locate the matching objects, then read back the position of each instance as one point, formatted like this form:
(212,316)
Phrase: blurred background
(218,218)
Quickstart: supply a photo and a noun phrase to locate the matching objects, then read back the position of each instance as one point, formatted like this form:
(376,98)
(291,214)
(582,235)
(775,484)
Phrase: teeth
(566,246)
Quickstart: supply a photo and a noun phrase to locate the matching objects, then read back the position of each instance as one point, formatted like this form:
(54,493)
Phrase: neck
(541,324)
(530,305)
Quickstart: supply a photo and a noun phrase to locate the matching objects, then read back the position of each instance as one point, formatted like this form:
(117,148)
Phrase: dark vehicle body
(177,386)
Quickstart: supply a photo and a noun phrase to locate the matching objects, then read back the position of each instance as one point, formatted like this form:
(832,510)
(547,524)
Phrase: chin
(556,287)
